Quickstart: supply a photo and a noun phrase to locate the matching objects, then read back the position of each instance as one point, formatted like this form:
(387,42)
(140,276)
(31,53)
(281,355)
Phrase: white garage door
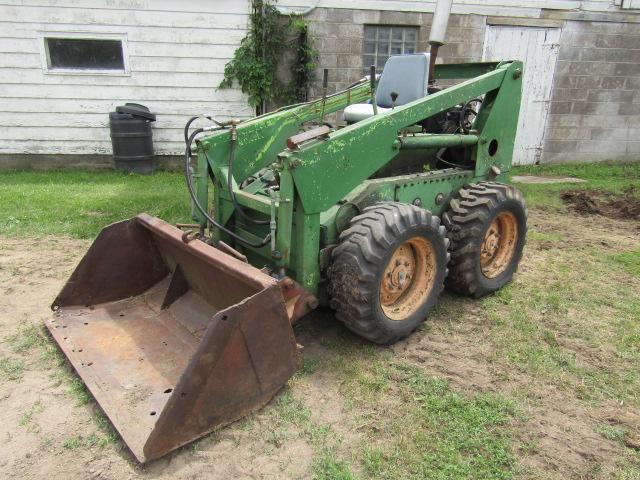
(538,49)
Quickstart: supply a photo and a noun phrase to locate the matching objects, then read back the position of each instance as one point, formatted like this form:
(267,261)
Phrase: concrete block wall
(339,37)
(594,113)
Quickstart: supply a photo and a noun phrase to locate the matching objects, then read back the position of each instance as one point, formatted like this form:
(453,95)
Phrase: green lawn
(79,203)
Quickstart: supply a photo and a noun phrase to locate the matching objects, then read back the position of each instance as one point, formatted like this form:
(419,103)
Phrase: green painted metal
(355,152)
(420,142)
(261,139)
(463,70)
(326,181)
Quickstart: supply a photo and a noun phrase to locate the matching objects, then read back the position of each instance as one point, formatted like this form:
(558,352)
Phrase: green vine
(271,40)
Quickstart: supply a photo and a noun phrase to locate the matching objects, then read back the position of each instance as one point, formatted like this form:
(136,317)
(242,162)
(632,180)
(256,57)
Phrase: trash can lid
(136,111)
(139,105)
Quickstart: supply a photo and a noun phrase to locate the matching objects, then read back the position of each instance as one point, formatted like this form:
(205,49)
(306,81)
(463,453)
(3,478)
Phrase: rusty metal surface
(172,339)
(298,301)
(296,140)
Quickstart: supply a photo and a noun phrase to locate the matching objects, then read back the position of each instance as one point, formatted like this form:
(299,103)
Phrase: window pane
(369,32)
(396,49)
(384,33)
(368,61)
(381,41)
(88,54)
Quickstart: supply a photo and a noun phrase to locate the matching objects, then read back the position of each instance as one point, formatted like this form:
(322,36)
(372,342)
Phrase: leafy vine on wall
(273,39)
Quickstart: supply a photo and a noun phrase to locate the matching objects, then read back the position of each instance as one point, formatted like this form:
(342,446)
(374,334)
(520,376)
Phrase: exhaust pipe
(438,32)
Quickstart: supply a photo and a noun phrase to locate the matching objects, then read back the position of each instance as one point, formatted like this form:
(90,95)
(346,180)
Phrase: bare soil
(595,202)
(558,436)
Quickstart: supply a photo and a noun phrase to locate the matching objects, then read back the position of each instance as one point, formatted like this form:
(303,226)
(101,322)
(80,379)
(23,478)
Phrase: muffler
(173,339)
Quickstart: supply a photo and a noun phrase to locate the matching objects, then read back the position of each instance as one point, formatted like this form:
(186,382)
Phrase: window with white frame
(84,54)
(382,41)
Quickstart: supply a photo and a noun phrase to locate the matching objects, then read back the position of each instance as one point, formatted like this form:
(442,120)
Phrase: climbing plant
(258,59)
(302,67)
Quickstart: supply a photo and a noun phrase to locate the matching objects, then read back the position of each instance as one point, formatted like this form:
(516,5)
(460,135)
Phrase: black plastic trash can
(132,138)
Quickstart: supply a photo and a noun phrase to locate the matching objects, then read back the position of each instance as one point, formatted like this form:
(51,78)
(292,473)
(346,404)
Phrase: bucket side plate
(195,341)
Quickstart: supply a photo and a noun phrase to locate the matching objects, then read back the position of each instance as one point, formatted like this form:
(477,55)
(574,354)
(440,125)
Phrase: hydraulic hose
(236,206)
(194,118)
(194,199)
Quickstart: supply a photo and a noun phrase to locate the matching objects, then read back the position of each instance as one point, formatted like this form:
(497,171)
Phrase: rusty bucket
(173,339)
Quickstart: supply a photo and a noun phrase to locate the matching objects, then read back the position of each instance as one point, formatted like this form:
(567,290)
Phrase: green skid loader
(177,330)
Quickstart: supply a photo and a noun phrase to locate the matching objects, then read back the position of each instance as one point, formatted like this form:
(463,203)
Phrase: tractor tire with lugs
(487,226)
(388,271)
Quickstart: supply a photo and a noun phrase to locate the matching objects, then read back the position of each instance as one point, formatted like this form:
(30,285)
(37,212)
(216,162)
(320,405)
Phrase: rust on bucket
(173,339)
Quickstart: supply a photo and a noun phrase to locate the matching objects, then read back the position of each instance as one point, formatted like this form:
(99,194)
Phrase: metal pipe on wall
(438,32)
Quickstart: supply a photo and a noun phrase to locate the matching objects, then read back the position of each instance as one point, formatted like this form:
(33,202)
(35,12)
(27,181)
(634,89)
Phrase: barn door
(538,49)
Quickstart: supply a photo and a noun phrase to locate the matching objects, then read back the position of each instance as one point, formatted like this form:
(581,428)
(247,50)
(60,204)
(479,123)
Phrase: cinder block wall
(594,113)
(339,37)
(595,108)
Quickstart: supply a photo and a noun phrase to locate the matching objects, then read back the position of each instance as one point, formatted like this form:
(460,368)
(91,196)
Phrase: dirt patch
(595,202)
(535,179)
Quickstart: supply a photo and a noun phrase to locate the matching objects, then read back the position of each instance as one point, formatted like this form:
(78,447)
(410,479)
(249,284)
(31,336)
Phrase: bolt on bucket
(173,339)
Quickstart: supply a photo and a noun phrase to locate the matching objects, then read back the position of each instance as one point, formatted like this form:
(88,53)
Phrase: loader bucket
(173,339)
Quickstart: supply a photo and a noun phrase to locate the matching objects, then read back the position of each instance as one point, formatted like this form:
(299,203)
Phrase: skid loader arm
(172,339)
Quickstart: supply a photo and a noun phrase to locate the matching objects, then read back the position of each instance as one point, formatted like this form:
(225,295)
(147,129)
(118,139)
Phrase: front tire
(487,226)
(388,271)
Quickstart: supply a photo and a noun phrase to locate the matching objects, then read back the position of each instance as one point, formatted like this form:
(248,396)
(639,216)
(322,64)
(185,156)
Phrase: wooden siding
(509,8)
(537,48)
(176,54)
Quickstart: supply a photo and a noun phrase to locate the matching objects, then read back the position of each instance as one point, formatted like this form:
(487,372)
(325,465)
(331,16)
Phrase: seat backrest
(405,74)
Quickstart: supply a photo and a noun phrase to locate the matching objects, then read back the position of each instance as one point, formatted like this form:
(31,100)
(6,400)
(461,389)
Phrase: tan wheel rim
(499,245)
(408,278)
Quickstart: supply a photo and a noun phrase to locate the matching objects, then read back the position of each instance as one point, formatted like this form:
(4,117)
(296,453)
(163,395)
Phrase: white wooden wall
(177,51)
(538,49)
(512,8)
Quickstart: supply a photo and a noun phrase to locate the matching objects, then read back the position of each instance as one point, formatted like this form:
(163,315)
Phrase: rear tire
(487,226)
(388,271)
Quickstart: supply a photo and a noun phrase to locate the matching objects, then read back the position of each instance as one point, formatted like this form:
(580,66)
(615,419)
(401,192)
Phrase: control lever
(372,81)
(394,97)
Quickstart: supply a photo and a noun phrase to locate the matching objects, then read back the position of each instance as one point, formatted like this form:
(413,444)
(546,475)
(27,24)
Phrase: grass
(615,178)
(630,260)
(573,307)
(11,369)
(569,321)
(83,441)
(79,204)
(27,418)
(416,426)
(291,418)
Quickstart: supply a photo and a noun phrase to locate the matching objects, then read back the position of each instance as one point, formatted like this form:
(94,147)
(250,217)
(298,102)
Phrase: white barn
(172,58)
